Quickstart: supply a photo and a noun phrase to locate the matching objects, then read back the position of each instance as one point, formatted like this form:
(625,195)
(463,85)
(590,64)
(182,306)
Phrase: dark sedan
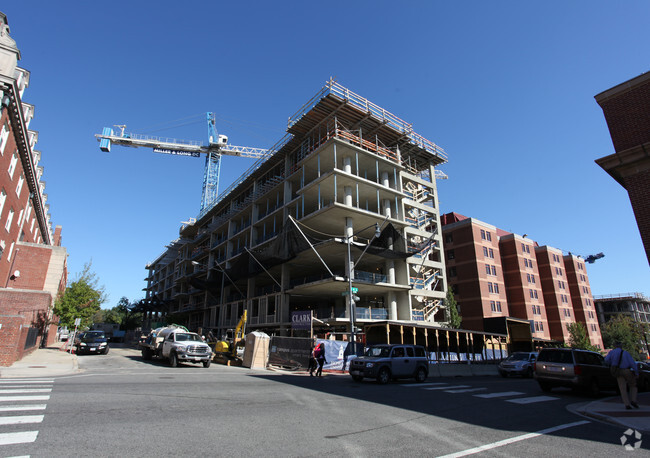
(92,342)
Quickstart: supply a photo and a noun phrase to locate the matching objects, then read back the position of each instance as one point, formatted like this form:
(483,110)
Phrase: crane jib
(176,152)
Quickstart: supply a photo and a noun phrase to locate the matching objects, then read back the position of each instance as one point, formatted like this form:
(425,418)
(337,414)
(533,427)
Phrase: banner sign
(301,319)
(176,152)
(290,352)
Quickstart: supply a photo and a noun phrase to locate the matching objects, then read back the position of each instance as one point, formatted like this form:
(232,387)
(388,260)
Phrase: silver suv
(391,362)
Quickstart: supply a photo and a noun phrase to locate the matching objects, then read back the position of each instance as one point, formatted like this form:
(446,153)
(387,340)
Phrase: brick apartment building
(33,264)
(494,273)
(627,111)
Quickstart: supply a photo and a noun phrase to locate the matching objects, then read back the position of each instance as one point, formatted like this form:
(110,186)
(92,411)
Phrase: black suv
(92,342)
(386,362)
(578,369)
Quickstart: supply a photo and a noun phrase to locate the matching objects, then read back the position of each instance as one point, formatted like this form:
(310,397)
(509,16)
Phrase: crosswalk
(514,397)
(22,407)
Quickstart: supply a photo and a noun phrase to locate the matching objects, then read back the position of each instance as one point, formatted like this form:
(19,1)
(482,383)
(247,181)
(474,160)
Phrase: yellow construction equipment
(225,351)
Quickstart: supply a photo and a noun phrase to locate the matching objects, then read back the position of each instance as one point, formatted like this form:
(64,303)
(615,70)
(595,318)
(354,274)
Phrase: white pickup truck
(176,344)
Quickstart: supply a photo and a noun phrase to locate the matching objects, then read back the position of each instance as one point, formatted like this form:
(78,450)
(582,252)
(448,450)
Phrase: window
(487,269)
(490,287)
(451,254)
(491,251)
(10,218)
(4,135)
(449,238)
(452,272)
(12,164)
(485,235)
(3,198)
(19,188)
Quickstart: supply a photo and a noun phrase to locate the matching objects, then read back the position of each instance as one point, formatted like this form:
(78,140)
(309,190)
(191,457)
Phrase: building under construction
(341,220)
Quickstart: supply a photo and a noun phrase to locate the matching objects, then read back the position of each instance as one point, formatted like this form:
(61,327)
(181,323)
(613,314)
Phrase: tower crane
(217,146)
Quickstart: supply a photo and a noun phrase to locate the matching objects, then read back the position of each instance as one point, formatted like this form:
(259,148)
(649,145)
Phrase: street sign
(355,290)
(77,321)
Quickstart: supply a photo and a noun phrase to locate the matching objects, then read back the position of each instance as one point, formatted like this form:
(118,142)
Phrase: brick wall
(32,262)
(628,117)
(20,310)
(638,188)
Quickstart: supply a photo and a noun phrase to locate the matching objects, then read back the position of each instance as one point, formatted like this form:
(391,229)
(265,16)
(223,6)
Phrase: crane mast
(217,146)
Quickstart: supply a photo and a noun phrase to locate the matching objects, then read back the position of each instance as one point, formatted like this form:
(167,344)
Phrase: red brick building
(494,273)
(627,111)
(474,270)
(33,264)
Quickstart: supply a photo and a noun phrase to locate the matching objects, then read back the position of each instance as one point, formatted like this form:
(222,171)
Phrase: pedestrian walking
(313,364)
(624,368)
(319,354)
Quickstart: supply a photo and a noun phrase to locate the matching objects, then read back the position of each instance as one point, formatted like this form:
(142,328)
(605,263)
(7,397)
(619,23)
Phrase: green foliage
(624,329)
(454,317)
(127,314)
(578,337)
(82,299)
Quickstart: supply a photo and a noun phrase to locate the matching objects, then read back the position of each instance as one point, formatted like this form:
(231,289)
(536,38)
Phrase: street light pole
(351,266)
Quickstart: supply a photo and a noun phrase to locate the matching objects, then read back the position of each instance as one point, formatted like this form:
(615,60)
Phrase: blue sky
(505,87)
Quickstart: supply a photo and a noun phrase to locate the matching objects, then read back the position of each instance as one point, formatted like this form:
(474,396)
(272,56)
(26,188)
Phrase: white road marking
(23,398)
(465,390)
(532,399)
(23,407)
(18,438)
(503,394)
(22,380)
(3,387)
(21,420)
(26,390)
(447,387)
(512,440)
(423,384)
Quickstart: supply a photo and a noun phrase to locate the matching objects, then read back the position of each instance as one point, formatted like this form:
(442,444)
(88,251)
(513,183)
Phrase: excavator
(225,350)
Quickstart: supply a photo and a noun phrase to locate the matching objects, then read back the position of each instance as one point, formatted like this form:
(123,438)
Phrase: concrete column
(387,211)
(347,199)
(392,306)
(390,271)
(385,181)
(347,164)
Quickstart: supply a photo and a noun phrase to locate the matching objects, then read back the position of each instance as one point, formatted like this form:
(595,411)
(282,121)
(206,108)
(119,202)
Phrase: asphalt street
(120,405)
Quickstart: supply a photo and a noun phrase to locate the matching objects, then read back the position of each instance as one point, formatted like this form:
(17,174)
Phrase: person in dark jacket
(313,364)
(319,354)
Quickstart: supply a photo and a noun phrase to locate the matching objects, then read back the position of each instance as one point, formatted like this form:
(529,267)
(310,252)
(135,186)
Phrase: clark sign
(301,319)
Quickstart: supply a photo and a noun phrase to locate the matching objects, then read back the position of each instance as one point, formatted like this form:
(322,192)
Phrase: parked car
(518,363)
(643,382)
(63,333)
(572,368)
(91,342)
(386,362)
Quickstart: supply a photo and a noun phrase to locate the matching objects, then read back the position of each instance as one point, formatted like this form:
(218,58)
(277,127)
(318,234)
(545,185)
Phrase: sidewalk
(612,410)
(43,362)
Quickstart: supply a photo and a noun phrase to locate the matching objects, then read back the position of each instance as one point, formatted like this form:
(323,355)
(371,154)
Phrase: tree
(578,337)
(622,328)
(454,317)
(82,299)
